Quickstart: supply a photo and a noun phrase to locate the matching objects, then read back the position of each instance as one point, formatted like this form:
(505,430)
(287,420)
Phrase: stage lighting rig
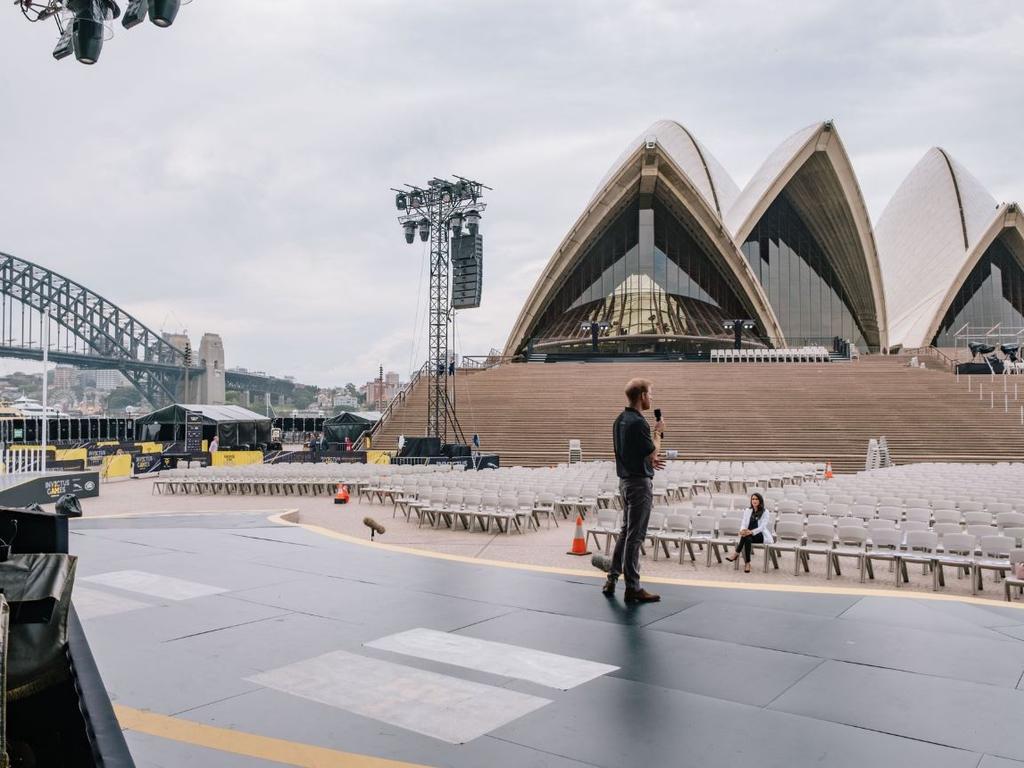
(439,211)
(85,24)
(738,327)
(594,328)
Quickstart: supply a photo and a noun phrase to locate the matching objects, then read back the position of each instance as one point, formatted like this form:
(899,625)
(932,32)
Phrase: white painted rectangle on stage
(548,669)
(94,603)
(153,584)
(439,706)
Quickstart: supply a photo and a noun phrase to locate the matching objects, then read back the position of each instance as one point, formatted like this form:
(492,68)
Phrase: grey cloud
(232,173)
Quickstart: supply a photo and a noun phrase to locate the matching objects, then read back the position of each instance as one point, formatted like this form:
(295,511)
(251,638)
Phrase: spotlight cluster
(84,24)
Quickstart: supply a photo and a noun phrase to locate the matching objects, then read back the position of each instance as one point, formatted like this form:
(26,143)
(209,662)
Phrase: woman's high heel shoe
(746,568)
(732,559)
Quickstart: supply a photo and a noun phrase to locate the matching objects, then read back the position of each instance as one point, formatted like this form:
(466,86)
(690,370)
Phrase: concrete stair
(527,412)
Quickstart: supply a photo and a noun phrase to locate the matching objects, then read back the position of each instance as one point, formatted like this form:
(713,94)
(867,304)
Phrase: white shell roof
(765,177)
(925,236)
(707,175)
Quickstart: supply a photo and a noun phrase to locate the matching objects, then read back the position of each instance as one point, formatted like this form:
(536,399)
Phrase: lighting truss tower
(438,212)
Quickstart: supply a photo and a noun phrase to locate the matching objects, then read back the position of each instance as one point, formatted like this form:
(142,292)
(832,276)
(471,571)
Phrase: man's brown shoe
(608,590)
(641,596)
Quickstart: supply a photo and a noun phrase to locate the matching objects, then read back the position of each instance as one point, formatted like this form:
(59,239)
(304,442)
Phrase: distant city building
(345,400)
(376,390)
(64,377)
(109,380)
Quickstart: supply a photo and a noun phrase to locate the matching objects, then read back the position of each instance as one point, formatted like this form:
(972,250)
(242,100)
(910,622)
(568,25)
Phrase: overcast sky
(232,173)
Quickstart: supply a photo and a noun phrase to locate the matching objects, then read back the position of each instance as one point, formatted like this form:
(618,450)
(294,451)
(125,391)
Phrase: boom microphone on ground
(601,562)
(374,526)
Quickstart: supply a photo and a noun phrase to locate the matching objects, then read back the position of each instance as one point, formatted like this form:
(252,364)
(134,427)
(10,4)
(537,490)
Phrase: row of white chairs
(816,354)
(970,552)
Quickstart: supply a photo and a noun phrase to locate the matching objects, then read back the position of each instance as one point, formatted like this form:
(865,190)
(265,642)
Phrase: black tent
(233,425)
(348,424)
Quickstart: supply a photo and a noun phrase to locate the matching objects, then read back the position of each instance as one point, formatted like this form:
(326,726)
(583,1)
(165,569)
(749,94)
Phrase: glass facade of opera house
(661,290)
(992,296)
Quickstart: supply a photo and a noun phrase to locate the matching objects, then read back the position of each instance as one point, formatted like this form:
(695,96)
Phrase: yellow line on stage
(247,744)
(283,519)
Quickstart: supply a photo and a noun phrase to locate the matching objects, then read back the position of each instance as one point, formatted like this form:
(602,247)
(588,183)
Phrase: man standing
(636,458)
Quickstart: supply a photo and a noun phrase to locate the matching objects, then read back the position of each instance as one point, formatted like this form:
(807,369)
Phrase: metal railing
(395,401)
(935,352)
(482,362)
(20,461)
(994,335)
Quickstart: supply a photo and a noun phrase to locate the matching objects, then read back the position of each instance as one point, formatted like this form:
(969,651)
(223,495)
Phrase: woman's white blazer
(765,526)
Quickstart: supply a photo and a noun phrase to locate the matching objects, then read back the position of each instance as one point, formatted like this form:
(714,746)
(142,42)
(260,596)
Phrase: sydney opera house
(669,251)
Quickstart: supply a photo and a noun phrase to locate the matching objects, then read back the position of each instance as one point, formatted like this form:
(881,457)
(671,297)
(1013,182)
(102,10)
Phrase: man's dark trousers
(637,498)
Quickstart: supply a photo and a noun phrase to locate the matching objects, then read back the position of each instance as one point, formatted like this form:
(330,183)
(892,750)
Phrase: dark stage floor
(264,641)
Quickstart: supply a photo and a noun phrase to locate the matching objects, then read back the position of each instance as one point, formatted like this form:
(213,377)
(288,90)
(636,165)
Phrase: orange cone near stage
(828,470)
(579,541)
(342,496)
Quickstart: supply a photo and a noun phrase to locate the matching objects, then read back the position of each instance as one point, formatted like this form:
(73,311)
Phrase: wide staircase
(528,412)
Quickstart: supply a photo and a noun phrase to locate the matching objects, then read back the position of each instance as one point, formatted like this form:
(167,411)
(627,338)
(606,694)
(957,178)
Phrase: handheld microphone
(657,415)
(374,526)
(601,562)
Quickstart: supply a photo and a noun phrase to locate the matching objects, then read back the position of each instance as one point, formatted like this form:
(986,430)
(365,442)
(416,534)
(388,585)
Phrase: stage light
(401,201)
(163,12)
(135,13)
(83,29)
(456,223)
(473,222)
(65,45)
(410,231)
(87,27)
(424,230)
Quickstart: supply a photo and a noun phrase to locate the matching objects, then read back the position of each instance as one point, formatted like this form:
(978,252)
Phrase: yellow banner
(378,457)
(72,454)
(116,466)
(36,448)
(151,447)
(236,458)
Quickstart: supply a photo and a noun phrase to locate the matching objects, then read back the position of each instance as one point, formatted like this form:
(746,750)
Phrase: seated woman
(755,529)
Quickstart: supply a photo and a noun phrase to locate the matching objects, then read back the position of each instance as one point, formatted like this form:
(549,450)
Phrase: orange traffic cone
(579,541)
(341,497)
(828,470)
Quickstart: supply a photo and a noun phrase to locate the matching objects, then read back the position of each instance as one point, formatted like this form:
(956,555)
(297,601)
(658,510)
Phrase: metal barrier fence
(22,461)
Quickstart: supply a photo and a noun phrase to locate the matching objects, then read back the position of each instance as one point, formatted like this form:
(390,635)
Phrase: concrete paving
(546,547)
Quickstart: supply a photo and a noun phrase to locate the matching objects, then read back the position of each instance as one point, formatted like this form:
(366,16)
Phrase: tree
(121,397)
(302,397)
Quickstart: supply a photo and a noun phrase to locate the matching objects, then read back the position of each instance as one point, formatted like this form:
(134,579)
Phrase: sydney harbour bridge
(88,331)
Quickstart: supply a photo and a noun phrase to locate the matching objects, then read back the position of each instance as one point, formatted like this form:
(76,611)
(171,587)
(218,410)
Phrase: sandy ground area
(546,547)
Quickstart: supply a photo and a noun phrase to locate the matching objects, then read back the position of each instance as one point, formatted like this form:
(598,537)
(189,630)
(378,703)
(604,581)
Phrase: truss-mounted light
(456,223)
(161,12)
(473,222)
(410,231)
(84,29)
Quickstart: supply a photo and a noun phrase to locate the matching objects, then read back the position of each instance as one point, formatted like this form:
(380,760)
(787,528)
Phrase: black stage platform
(227,630)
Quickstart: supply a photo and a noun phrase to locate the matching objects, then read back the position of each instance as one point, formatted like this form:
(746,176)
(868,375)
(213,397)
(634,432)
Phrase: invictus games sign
(145,462)
(84,485)
(46,490)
